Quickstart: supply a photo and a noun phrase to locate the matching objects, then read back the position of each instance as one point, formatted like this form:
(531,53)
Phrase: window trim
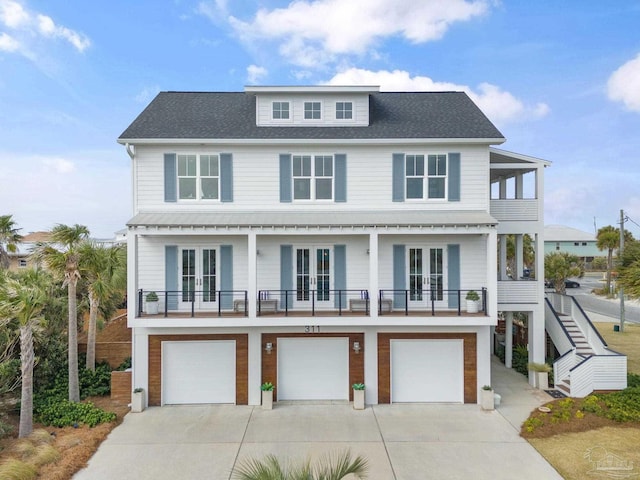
(313,178)
(289,110)
(304,110)
(344,119)
(426,177)
(198,177)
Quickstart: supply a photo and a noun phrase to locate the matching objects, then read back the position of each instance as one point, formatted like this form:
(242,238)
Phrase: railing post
(340,302)
(246,303)
(406,303)
(219,303)
(366,307)
(193,303)
(140,303)
(484,300)
(433,302)
(259,302)
(459,293)
(286,303)
(166,303)
(313,303)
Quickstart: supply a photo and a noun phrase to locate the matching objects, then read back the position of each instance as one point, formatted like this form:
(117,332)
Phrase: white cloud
(256,73)
(624,84)
(314,33)
(8,43)
(215,10)
(29,26)
(59,165)
(499,105)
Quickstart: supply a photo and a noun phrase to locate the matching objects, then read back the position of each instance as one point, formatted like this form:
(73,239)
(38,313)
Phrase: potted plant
(487,398)
(151,303)
(540,374)
(473,301)
(137,400)
(267,395)
(358,396)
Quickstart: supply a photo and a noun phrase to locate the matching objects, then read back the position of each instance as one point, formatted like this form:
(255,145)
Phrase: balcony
(310,303)
(518,291)
(515,210)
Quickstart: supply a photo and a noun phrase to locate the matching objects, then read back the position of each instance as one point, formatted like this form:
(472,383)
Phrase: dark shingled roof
(231,115)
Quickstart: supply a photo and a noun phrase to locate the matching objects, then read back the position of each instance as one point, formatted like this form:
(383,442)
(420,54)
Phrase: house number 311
(312,329)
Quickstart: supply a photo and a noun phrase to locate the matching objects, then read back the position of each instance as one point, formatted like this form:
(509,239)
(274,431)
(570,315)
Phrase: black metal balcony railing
(316,302)
(433,300)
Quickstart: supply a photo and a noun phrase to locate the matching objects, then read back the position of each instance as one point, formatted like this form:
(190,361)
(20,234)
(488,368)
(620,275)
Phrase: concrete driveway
(402,442)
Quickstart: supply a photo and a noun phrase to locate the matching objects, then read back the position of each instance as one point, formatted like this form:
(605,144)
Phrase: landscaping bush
(623,406)
(520,360)
(633,380)
(58,412)
(97,382)
(125,364)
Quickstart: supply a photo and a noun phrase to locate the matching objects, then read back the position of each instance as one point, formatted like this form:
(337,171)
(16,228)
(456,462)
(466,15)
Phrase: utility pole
(620,288)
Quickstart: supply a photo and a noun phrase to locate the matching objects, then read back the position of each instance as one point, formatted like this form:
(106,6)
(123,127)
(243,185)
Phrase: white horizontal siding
(510,291)
(610,372)
(515,210)
(256,178)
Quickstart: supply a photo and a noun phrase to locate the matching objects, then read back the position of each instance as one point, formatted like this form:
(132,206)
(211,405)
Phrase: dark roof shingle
(231,115)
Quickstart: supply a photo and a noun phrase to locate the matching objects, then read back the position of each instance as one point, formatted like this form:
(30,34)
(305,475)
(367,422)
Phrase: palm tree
(608,238)
(105,272)
(330,467)
(9,239)
(559,266)
(62,256)
(23,299)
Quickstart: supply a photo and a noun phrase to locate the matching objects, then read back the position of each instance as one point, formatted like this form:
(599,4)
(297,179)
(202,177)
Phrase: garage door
(313,368)
(199,372)
(427,371)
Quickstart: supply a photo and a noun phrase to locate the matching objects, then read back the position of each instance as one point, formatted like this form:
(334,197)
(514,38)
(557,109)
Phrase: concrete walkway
(401,442)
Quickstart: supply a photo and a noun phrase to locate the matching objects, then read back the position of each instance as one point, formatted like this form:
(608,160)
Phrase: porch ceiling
(304,219)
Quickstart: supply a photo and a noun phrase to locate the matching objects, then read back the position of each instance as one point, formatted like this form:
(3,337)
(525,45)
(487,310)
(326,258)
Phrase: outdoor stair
(585,363)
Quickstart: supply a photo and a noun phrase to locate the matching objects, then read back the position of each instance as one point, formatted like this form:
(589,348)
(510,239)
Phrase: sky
(560,79)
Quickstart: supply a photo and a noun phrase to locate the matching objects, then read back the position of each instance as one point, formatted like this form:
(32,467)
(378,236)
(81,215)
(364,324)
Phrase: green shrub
(623,406)
(520,360)
(592,404)
(5,428)
(633,380)
(63,413)
(97,382)
(126,363)
(532,423)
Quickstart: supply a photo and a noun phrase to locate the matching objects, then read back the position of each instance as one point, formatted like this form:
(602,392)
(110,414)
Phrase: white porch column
(503,257)
(503,188)
(536,337)
(252,272)
(483,359)
(492,283)
(508,339)
(132,276)
(373,275)
(519,186)
(519,257)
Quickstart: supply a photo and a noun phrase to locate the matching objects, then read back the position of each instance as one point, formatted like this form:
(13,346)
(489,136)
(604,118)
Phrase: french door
(198,279)
(427,280)
(313,276)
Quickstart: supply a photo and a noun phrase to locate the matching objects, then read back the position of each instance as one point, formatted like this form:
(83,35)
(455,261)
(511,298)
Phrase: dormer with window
(312,106)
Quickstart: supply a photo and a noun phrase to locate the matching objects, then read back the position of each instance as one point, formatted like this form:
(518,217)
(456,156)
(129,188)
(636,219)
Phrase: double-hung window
(426,184)
(313,177)
(344,110)
(198,177)
(280,110)
(312,111)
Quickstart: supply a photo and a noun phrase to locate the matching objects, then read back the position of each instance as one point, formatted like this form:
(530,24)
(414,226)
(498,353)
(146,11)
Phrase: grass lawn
(627,342)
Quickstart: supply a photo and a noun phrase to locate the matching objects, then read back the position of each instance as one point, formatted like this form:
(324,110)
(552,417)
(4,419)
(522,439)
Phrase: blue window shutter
(399,276)
(226,276)
(286,274)
(340,273)
(398,177)
(340,177)
(454,177)
(285,177)
(170,178)
(171,276)
(226,177)
(453,273)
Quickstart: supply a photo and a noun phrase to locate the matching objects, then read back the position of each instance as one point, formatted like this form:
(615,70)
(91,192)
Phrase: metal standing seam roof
(231,115)
(312,219)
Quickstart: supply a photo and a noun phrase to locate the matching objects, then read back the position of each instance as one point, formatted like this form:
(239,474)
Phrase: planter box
(137,402)
(358,399)
(267,399)
(151,308)
(487,399)
(472,306)
(542,380)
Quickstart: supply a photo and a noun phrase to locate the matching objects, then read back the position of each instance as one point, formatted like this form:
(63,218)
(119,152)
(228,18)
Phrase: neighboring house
(21,257)
(558,238)
(315,237)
